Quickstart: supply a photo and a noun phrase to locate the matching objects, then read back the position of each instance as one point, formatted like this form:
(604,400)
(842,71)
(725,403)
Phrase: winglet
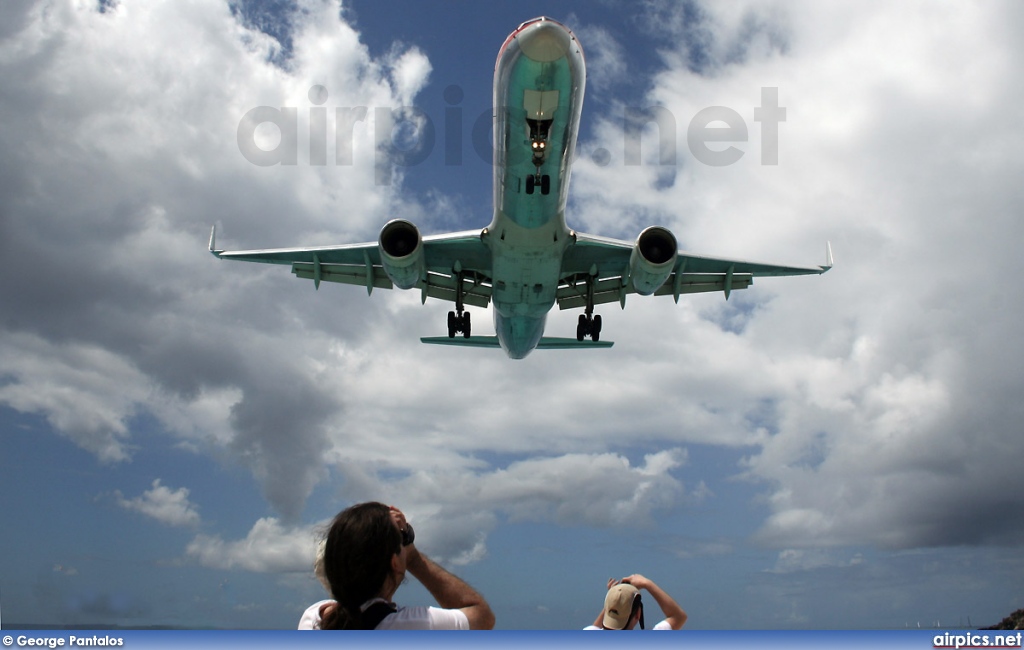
(213,242)
(828,257)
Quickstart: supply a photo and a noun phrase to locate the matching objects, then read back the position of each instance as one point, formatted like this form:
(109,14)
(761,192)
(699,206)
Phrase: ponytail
(360,543)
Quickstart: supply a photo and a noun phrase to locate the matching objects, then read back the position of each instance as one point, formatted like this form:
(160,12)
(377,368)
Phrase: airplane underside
(526,260)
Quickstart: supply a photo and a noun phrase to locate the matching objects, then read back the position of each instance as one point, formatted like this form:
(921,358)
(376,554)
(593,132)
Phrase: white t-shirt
(406,618)
(664,625)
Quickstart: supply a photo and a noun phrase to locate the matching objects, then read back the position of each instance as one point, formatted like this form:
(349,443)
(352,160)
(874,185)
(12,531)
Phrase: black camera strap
(377,612)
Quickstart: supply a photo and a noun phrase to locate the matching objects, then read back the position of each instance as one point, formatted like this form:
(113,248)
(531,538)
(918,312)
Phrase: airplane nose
(544,41)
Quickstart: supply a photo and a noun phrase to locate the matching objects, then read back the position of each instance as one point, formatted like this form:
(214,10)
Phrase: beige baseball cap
(618,605)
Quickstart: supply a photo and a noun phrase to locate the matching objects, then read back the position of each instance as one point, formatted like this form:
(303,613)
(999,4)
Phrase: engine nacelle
(652,259)
(401,253)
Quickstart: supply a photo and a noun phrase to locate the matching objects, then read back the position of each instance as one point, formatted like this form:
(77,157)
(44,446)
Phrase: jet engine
(652,259)
(401,253)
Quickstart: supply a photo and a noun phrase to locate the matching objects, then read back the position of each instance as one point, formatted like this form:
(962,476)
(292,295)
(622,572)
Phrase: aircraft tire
(451,325)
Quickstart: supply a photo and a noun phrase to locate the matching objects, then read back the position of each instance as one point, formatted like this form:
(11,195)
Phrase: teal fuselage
(538,95)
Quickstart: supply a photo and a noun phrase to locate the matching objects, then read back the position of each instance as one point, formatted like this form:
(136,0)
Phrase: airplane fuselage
(539,80)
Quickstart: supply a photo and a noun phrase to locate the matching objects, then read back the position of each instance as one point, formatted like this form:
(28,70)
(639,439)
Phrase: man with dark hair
(624,608)
(368,550)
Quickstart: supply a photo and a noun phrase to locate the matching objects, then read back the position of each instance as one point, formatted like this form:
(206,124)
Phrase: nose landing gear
(543,181)
(539,147)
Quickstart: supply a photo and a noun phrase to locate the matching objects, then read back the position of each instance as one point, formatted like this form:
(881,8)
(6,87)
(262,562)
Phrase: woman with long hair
(369,549)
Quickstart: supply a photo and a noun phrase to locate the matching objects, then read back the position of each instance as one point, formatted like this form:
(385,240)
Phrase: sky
(833,452)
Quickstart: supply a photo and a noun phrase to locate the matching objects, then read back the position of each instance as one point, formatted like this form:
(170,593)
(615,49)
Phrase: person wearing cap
(624,608)
(368,550)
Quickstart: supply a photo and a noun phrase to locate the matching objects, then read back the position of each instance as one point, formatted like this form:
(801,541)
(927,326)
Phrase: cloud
(85,392)
(599,489)
(170,507)
(65,570)
(124,153)
(270,546)
(889,379)
(708,39)
(876,405)
(793,560)
(606,57)
(455,511)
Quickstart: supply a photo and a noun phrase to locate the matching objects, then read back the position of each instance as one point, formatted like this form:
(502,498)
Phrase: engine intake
(401,253)
(652,259)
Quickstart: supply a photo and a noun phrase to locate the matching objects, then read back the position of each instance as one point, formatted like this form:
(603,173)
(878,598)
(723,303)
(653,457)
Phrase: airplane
(527,259)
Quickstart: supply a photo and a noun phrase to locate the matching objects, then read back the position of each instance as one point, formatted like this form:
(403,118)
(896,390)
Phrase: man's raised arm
(450,591)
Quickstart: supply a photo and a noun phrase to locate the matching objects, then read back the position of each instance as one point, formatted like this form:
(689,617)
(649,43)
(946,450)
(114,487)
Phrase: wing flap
(443,287)
(344,274)
(704,282)
(438,286)
(612,290)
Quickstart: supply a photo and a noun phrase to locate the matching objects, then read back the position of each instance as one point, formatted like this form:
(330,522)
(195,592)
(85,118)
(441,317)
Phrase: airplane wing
(605,261)
(449,259)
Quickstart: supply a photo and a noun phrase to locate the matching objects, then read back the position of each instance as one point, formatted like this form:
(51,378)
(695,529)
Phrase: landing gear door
(540,105)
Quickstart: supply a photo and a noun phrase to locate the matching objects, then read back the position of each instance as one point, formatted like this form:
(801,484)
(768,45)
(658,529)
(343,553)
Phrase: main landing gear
(458,320)
(589,324)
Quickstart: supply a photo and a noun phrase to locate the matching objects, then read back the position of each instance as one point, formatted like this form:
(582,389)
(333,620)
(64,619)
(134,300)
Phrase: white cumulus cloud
(171,507)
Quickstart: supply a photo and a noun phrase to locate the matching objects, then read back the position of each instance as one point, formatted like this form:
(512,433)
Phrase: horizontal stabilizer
(546,343)
(556,343)
(471,342)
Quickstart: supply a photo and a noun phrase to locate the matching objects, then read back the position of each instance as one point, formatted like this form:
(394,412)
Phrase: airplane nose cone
(545,40)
